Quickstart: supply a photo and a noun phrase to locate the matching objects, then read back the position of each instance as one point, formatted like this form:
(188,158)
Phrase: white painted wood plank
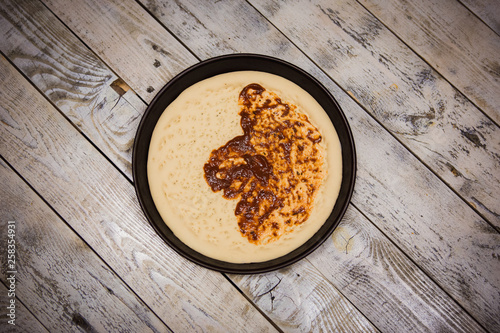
(101,206)
(486,10)
(24,46)
(361,261)
(125,36)
(445,237)
(453,41)
(197,26)
(98,102)
(24,320)
(58,276)
(300,299)
(411,100)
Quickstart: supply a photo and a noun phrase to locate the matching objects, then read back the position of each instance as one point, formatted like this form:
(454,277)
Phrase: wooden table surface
(418,249)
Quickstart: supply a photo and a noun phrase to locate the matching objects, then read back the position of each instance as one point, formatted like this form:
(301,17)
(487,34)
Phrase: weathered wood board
(487,10)
(24,321)
(98,102)
(151,56)
(59,278)
(300,299)
(361,261)
(453,41)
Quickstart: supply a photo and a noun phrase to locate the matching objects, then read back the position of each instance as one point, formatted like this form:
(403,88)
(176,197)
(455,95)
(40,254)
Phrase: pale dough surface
(202,118)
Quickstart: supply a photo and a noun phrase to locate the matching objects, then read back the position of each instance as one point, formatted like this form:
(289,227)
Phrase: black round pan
(225,64)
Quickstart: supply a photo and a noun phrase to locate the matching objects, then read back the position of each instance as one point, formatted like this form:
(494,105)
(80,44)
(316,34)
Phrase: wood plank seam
(19,313)
(90,50)
(150,89)
(393,134)
(430,65)
(169,31)
(479,17)
(345,296)
(66,118)
(420,268)
(17,297)
(252,302)
(81,239)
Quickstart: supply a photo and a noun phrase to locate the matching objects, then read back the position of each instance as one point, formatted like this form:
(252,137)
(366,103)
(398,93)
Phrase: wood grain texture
(453,41)
(64,38)
(101,206)
(424,218)
(62,281)
(391,179)
(194,22)
(401,91)
(25,321)
(72,77)
(300,299)
(126,37)
(486,10)
(361,261)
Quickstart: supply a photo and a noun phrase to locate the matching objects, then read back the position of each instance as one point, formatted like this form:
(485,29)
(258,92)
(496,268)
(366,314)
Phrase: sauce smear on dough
(275,168)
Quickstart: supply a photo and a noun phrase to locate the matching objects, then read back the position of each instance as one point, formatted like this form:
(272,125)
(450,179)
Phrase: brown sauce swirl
(274,168)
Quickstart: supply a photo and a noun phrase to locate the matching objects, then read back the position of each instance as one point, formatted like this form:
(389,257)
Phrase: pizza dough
(244,167)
